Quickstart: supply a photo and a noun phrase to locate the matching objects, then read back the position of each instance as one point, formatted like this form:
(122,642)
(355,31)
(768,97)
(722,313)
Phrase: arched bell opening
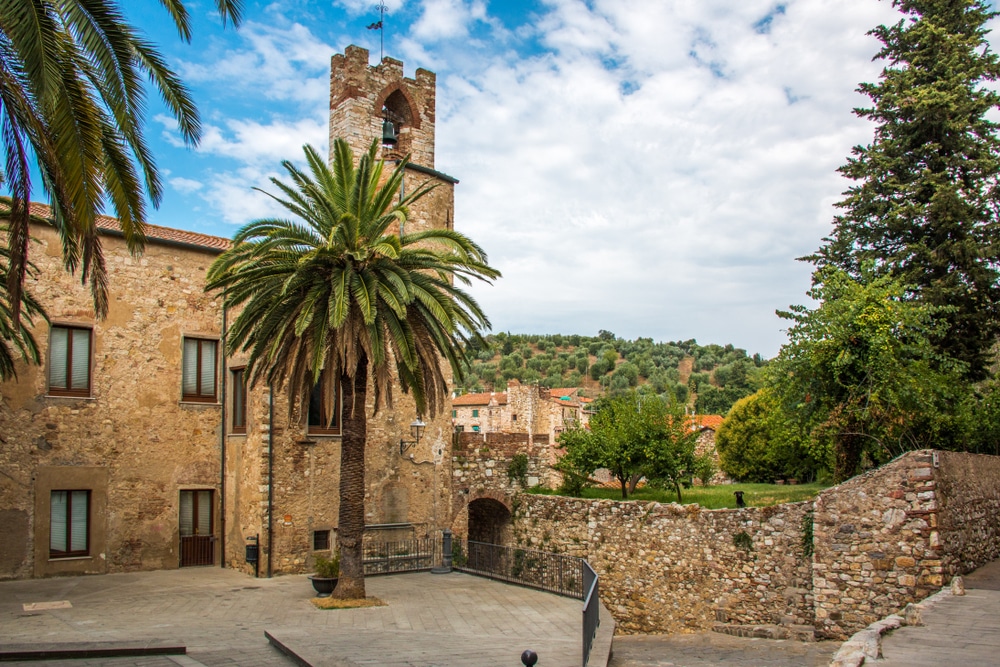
(398,118)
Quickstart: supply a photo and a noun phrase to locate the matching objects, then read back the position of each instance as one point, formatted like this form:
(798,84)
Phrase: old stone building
(521,409)
(137,444)
(707,426)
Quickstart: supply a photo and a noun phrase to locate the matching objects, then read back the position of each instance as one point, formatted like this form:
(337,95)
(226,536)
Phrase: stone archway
(489,521)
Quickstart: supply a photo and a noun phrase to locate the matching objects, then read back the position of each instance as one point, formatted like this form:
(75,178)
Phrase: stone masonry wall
(357,93)
(968,492)
(896,534)
(479,464)
(875,545)
(409,488)
(881,540)
(672,568)
(132,441)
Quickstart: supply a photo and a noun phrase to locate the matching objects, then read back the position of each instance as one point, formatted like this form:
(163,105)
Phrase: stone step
(84,650)
(800,633)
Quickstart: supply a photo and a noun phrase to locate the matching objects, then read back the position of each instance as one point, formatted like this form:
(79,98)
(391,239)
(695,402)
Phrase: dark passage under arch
(489,521)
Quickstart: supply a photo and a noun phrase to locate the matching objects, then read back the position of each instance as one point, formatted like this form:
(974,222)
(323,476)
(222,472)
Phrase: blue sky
(651,168)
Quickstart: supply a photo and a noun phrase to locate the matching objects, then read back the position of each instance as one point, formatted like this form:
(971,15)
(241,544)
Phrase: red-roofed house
(708,425)
(521,409)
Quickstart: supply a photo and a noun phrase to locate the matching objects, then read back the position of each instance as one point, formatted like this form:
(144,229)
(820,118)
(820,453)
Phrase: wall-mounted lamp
(416,430)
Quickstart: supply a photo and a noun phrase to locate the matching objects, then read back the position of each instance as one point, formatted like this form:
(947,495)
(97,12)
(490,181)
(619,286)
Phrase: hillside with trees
(708,378)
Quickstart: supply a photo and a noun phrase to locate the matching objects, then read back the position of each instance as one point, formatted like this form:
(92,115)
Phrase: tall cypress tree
(926,203)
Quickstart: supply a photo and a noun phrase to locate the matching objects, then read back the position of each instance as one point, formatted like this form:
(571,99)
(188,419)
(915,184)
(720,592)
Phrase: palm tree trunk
(351,524)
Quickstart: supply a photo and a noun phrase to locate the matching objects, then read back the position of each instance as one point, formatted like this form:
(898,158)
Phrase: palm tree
(336,296)
(16,340)
(72,100)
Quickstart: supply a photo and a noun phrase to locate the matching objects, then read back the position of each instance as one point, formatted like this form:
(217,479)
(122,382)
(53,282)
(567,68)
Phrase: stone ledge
(800,633)
(84,650)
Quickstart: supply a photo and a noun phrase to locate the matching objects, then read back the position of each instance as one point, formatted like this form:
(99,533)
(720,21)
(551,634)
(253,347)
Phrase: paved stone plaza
(221,616)
(455,619)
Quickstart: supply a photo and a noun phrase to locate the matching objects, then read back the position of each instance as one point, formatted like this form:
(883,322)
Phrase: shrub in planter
(327,574)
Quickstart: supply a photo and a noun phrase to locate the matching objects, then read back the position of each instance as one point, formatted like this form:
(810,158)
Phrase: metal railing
(545,571)
(401,555)
(591,609)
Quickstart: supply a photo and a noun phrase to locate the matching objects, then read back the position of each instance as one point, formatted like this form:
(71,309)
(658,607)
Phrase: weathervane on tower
(380,26)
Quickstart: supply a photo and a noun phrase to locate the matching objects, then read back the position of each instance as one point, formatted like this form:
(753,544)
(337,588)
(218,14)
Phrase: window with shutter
(239,401)
(69,361)
(196,513)
(69,524)
(199,370)
(324,409)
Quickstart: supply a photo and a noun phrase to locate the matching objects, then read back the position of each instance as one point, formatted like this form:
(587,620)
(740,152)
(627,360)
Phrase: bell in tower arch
(388,133)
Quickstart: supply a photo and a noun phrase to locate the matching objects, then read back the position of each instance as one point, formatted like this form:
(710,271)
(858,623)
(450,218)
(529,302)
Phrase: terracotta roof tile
(154,233)
(708,421)
(478,399)
(558,392)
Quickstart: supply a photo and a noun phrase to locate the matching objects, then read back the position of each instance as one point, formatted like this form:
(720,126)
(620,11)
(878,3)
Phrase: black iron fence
(401,555)
(591,609)
(526,567)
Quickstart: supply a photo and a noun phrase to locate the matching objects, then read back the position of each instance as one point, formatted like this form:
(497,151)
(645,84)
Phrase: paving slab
(712,649)
(961,630)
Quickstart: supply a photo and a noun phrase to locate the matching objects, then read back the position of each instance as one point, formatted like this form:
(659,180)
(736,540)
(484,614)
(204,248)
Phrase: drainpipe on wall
(222,447)
(270,476)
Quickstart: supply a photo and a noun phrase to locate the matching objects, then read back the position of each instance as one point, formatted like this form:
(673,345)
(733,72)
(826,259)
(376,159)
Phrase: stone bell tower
(407,488)
(363,97)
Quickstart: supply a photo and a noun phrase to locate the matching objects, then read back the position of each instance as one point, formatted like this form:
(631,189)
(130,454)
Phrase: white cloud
(649,168)
(659,169)
(365,6)
(259,148)
(444,19)
(186,185)
(233,195)
(280,61)
(256,143)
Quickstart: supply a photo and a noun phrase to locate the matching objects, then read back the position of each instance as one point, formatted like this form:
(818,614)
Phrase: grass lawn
(712,497)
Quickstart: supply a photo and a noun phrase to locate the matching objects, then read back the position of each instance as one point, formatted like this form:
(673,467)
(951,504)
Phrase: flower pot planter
(324,585)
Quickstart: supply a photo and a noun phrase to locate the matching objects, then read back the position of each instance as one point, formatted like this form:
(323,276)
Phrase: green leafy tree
(336,296)
(633,435)
(926,206)
(671,462)
(73,79)
(758,443)
(861,369)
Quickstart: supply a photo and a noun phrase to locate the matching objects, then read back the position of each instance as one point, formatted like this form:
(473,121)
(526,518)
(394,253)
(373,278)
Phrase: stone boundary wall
(968,491)
(480,461)
(880,541)
(898,533)
(876,545)
(673,568)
